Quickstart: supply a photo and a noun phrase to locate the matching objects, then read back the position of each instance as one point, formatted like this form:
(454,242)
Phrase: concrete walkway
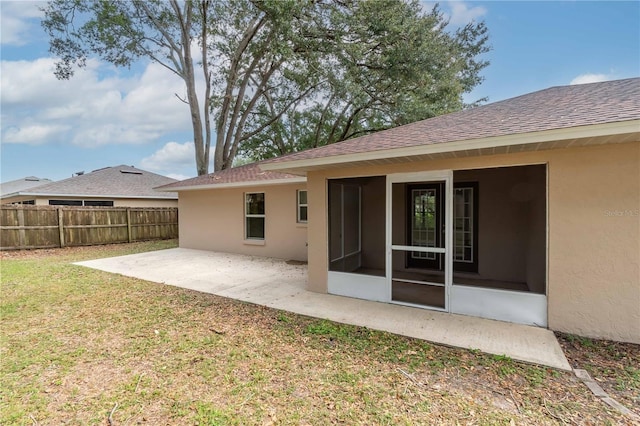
(273,283)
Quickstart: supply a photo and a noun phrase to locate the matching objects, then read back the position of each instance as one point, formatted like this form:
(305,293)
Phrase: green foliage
(208,414)
(282,317)
(117,32)
(503,358)
(327,328)
(535,375)
(629,379)
(381,64)
(584,341)
(505,365)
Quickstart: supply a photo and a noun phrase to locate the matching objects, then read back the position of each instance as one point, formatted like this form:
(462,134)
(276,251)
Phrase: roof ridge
(617,80)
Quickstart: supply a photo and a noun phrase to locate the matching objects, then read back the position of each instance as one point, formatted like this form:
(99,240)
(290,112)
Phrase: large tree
(281,75)
(387,63)
(262,54)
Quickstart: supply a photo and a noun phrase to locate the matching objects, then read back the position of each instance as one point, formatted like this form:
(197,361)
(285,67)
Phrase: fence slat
(114,225)
(24,226)
(129,236)
(22,235)
(61,227)
(17,228)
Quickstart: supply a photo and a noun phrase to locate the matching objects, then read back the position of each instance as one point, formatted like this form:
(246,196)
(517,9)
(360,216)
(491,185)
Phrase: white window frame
(471,230)
(263,216)
(299,204)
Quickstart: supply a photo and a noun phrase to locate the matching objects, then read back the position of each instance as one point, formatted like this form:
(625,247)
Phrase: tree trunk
(202,166)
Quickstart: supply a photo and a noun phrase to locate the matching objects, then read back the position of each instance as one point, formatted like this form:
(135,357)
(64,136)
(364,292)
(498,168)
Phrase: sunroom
(470,241)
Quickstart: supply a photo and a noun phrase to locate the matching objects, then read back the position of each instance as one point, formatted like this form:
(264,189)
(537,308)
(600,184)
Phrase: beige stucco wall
(593,284)
(594,242)
(124,202)
(214,220)
(145,203)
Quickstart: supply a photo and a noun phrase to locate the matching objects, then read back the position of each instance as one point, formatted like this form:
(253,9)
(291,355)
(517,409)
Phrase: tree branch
(240,96)
(252,102)
(248,35)
(276,117)
(321,120)
(337,121)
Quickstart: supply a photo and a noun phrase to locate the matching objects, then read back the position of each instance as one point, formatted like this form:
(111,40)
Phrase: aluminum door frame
(445,176)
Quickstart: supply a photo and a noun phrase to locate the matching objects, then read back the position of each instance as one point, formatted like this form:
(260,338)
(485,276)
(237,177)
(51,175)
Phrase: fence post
(61,226)
(129,236)
(22,239)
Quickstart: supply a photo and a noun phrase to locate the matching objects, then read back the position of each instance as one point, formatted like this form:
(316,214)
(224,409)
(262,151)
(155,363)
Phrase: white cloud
(461,13)
(89,109)
(32,134)
(17,19)
(591,78)
(171,156)
(178,176)
(458,13)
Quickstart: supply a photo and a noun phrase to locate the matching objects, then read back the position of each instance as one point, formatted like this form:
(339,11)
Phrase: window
(302,206)
(88,203)
(254,215)
(100,203)
(424,217)
(65,202)
(465,230)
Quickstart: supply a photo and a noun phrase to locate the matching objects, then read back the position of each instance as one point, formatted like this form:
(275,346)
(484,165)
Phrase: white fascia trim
(237,184)
(596,130)
(11,195)
(89,196)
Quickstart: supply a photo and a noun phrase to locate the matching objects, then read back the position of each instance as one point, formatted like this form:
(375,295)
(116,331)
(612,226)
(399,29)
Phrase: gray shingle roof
(550,109)
(241,174)
(23,184)
(119,181)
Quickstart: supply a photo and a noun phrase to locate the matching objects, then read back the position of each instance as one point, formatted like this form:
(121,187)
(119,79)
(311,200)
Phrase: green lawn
(80,346)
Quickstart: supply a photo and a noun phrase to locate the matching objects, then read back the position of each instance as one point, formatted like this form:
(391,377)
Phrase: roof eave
(10,195)
(518,139)
(127,197)
(265,182)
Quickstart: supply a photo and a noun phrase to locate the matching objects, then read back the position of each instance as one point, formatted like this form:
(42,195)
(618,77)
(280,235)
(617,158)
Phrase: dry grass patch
(614,365)
(77,341)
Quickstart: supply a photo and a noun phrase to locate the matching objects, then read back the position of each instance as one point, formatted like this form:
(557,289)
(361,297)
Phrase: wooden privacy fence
(29,227)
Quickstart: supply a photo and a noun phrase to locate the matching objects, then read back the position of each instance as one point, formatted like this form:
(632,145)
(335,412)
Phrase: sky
(106,116)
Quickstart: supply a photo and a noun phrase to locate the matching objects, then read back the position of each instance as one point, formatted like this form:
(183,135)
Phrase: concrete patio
(276,284)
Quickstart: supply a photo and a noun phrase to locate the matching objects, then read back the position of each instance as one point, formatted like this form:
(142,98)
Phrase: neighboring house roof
(109,182)
(25,183)
(560,113)
(247,175)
